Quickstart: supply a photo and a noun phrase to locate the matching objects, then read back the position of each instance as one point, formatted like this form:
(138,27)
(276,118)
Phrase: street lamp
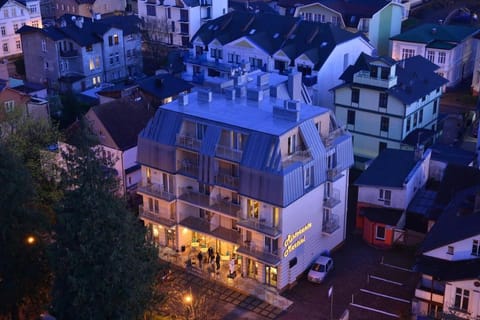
(31,240)
(188,299)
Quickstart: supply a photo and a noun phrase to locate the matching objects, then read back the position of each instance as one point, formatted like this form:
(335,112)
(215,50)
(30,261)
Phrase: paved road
(353,263)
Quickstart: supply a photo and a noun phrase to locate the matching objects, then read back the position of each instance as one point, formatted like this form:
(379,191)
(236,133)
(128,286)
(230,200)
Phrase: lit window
(115,39)
(91,64)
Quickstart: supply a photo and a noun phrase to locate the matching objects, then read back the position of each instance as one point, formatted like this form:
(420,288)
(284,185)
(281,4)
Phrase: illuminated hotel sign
(295,240)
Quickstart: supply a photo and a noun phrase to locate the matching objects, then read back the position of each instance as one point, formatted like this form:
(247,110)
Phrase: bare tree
(155,32)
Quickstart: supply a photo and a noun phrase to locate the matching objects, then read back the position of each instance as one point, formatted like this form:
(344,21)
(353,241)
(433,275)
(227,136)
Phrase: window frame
(355,96)
(380,235)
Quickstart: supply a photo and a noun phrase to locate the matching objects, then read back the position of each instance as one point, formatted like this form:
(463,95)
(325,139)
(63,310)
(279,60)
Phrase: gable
(303,58)
(215,43)
(316,8)
(243,43)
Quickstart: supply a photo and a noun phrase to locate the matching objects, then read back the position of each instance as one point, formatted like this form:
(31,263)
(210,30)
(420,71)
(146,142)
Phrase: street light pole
(330,295)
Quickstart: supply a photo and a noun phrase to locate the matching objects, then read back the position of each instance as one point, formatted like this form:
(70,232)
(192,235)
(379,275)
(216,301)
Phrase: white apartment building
(13,15)
(175,22)
(258,179)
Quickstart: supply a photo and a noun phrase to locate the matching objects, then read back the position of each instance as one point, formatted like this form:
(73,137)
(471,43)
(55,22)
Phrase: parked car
(320,269)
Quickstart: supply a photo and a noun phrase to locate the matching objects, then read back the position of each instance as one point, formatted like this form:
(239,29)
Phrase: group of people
(212,259)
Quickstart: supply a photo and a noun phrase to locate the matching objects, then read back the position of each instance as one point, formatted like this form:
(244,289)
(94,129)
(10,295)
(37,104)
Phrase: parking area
(370,283)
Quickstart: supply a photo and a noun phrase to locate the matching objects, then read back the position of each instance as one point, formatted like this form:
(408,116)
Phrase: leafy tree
(24,272)
(104,267)
(30,143)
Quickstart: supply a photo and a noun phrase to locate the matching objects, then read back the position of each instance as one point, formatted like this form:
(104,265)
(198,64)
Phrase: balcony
(297,156)
(204,226)
(260,225)
(334,174)
(188,142)
(188,167)
(363,77)
(261,254)
(426,294)
(69,53)
(155,190)
(331,224)
(218,205)
(228,153)
(202,60)
(227,180)
(159,217)
(329,139)
(332,200)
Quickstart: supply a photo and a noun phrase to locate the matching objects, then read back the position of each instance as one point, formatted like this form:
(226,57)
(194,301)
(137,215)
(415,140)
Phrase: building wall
(317,12)
(461,250)
(113,55)
(473,310)
(13,16)
(107,6)
(341,57)
(369,234)
(370,195)
(476,70)
(384,24)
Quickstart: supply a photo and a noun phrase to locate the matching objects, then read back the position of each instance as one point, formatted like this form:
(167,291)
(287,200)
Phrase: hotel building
(258,178)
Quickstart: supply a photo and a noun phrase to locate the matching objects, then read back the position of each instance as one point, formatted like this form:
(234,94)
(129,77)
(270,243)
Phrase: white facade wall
(246,50)
(473,310)
(12,16)
(476,70)
(462,250)
(341,57)
(370,195)
(419,177)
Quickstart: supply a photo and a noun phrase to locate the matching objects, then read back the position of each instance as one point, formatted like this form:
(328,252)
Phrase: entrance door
(271,276)
(170,238)
(251,268)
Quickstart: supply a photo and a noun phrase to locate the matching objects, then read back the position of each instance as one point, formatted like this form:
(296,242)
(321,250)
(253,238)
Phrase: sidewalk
(245,286)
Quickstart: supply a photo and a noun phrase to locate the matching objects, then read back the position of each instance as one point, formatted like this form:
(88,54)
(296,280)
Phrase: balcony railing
(227,180)
(333,173)
(155,190)
(329,139)
(162,217)
(261,226)
(363,77)
(297,156)
(69,53)
(262,254)
(228,153)
(331,224)
(426,294)
(204,226)
(188,142)
(188,167)
(333,199)
(216,204)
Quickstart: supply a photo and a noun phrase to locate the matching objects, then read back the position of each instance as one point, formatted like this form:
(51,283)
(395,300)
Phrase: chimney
(182,99)
(295,85)
(476,206)
(204,95)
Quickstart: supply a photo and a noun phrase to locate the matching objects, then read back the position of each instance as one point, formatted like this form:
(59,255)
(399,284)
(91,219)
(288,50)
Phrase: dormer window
(373,71)
(385,73)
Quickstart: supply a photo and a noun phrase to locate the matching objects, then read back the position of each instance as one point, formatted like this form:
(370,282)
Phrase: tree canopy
(104,267)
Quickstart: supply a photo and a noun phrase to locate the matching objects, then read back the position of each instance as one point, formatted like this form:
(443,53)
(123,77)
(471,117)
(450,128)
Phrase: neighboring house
(175,22)
(476,69)
(240,41)
(13,15)
(443,155)
(16,105)
(258,179)
(117,125)
(156,90)
(54,9)
(449,257)
(377,19)
(382,102)
(385,190)
(82,53)
(451,47)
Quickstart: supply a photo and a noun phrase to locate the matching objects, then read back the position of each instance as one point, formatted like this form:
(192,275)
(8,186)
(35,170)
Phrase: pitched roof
(455,201)
(442,36)
(445,270)
(382,215)
(351,10)
(124,119)
(389,169)
(164,85)
(449,154)
(416,76)
(273,33)
(90,32)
